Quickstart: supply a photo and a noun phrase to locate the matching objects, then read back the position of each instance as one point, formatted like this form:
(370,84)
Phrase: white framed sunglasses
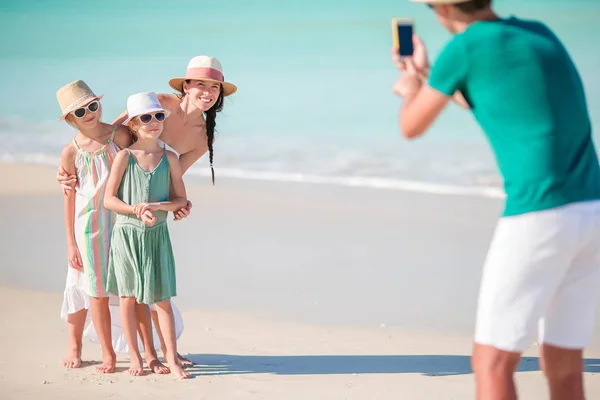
(146,118)
(92,108)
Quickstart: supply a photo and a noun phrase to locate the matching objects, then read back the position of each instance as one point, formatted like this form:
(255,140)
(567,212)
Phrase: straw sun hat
(75,95)
(204,68)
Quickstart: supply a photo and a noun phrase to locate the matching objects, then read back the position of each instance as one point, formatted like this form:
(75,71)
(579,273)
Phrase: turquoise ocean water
(314,77)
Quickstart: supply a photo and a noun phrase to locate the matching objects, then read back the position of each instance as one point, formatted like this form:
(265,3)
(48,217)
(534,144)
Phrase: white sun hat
(143,103)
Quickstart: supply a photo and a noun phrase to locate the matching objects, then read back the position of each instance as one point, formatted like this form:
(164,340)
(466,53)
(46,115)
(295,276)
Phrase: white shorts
(542,273)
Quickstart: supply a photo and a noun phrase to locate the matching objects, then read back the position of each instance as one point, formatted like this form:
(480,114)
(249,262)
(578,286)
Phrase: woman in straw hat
(89,158)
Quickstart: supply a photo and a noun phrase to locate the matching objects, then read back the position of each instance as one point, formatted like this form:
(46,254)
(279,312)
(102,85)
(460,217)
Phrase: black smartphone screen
(405,39)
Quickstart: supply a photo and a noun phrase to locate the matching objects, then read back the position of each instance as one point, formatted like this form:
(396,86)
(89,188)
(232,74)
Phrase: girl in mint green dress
(141,269)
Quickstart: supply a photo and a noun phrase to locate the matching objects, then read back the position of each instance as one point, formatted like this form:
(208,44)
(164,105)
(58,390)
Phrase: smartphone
(402,33)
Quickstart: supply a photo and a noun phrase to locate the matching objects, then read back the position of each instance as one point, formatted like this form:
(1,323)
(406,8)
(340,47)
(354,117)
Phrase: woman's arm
(123,137)
(186,160)
(122,117)
(111,200)
(178,197)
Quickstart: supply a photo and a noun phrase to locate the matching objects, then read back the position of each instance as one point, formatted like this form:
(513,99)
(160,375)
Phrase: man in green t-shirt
(542,272)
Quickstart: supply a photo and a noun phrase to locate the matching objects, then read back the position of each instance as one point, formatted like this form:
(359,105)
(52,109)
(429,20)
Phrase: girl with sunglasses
(89,158)
(87,221)
(141,265)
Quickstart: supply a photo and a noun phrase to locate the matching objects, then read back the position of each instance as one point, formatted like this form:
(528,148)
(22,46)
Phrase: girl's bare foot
(73,358)
(156,366)
(179,372)
(109,363)
(135,366)
(184,362)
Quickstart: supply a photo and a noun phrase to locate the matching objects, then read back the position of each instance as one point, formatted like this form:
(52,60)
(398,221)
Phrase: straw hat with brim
(143,103)
(438,2)
(75,95)
(204,68)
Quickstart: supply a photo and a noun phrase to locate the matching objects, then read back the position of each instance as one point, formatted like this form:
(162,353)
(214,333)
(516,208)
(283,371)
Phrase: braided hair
(211,115)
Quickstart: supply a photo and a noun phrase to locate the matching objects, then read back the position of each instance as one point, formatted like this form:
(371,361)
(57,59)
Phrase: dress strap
(112,135)
(76,145)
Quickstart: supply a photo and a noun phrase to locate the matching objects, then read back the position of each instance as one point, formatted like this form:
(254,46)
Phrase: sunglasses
(146,118)
(92,107)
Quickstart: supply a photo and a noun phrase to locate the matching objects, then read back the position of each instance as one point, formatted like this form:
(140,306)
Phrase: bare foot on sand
(179,372)
(73,358)
(184,362)
(109,363)
(135,366)
(156,366)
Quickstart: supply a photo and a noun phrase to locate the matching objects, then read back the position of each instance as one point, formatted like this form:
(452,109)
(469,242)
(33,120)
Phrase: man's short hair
(473,6)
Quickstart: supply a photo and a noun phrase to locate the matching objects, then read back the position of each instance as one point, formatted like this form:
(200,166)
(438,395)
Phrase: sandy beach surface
(288,291)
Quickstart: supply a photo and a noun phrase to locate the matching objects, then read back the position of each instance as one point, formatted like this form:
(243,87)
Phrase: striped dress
(93,222)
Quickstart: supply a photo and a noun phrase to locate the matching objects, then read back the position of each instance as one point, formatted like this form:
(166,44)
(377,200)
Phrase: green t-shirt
(528,97)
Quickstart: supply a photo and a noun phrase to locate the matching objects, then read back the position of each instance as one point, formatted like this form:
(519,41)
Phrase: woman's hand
(183,213)
(68,182)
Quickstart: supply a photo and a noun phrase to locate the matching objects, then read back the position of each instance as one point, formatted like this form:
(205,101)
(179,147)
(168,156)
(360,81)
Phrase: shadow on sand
(429,365)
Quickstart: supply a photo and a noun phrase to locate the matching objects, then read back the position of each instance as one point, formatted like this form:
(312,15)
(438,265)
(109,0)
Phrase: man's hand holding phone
(419,58)
(410,57)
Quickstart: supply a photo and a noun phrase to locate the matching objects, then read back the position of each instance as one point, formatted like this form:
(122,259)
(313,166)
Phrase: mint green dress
(141,262)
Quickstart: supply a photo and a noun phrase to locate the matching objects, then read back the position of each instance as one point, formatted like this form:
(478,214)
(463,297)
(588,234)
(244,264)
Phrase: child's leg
(167,324)
(156,322)
(76,323)
(142,313)
(128,320)
(102,323)
(182,360)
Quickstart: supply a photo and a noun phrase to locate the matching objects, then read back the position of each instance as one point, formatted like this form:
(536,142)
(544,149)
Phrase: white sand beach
(288,291)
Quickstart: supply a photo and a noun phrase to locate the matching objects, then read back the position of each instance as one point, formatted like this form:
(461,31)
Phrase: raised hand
(419,58)
(409,82)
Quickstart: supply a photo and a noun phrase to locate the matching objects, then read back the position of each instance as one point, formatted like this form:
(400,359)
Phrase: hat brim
(152,110)
(82,104)
(177,84)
